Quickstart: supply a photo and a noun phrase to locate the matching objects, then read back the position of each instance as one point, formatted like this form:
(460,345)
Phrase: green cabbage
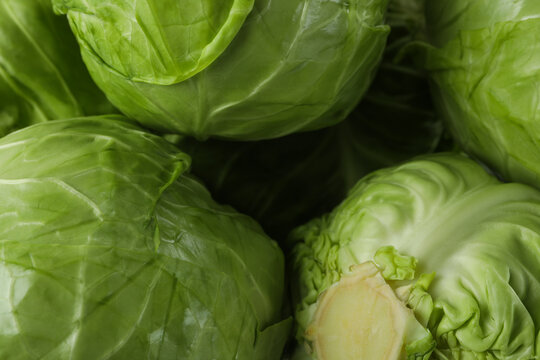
(242,69)
(110,250)
(42,76)
(486,76)
(446,257)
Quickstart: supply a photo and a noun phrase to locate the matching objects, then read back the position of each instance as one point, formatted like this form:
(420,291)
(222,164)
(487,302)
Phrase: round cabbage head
(486,76)
(109,250)
(432,259)
(42,76)
(242,69)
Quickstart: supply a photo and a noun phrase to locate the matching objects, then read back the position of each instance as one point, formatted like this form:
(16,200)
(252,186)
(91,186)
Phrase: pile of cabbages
(269,179)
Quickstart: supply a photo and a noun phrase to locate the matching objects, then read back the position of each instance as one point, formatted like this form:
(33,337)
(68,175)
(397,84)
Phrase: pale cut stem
(360,318)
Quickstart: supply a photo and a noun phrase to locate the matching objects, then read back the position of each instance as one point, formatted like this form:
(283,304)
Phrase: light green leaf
(156,41)
(394,265)
(480,237)
(485,71)
(278,66)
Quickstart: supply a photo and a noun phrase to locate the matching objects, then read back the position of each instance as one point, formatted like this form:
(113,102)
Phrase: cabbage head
(42,76)
(432,259)
(242,69)
(485,67)
(110,250)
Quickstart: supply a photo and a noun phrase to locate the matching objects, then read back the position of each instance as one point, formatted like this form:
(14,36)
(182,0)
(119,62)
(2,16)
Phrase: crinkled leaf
(394,265)
(480,237)
(485,74)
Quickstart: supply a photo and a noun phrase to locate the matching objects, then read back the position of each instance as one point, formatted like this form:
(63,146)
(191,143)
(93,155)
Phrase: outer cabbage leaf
(293,64)
(479,237)
(447,19)
(485,73)
(285,182)
(42,76)
(109,250)
(167,40)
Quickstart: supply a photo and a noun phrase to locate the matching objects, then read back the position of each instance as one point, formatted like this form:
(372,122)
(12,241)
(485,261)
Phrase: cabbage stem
(360,317)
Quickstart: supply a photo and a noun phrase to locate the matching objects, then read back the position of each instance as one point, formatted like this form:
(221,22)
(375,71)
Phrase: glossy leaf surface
(292,64)
(42,76)
(110,250)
